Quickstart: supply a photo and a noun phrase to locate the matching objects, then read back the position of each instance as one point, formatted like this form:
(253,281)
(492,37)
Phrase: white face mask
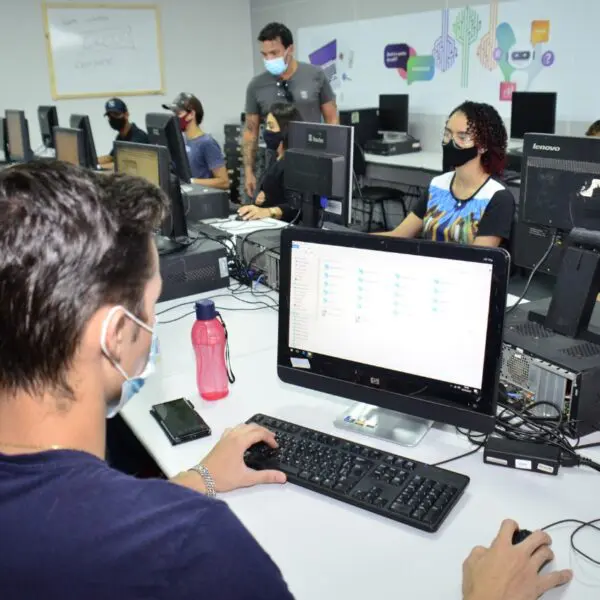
(132,384)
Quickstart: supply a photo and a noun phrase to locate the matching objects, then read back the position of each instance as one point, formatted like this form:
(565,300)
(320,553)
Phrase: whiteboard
(99,50)
(482,52)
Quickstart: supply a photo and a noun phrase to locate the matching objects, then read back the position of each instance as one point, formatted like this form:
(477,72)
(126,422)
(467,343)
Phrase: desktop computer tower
(539,365)
(201,267)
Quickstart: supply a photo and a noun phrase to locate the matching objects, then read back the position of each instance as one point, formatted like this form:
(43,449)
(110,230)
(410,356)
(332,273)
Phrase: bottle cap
(205,310)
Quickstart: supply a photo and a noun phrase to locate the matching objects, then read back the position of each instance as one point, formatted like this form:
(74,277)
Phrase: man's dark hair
(285,113)
(71,241)
(593,129)
(272,31)
(192,103)
(487,128)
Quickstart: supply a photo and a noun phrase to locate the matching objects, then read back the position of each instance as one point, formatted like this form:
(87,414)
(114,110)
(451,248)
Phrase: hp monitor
(163,130)
(83,122)
(532,112)
(382,321)
(318,164)
(69,145)
(48,119)
(393,112)
(17,129)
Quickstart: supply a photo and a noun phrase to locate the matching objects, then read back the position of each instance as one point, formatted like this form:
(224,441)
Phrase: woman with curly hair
(466,204)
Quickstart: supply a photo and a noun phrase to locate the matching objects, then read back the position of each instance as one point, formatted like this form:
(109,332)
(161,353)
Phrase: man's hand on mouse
(225,462)
(251,212)
(511,572)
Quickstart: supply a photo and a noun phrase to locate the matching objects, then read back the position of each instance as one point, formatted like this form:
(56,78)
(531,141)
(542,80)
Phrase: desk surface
(310,536)
(421,161)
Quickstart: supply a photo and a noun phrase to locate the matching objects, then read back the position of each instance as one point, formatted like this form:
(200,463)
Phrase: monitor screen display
(69,143)
(138,162)
(532,112)
(343,300)
(393,112)
(16,135)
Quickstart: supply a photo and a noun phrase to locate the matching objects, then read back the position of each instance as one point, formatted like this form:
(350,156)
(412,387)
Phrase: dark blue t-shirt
(72,527)
(204,154)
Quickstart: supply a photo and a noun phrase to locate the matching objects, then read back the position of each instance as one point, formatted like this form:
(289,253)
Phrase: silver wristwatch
(209,482)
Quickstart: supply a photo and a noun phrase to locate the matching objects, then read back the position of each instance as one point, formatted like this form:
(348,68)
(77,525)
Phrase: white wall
(306,13)
(197,59)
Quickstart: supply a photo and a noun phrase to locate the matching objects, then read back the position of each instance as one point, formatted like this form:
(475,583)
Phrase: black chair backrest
(359,163)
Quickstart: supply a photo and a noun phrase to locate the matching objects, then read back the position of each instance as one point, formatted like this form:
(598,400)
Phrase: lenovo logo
(546,148)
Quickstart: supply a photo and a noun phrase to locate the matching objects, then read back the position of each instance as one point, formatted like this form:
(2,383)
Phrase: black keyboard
(395,487)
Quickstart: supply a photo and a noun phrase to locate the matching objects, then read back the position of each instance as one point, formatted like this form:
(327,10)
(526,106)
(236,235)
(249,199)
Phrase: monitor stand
(384,424)
(166,245)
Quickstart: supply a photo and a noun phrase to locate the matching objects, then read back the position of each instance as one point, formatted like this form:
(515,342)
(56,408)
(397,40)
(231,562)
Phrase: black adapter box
(526,456)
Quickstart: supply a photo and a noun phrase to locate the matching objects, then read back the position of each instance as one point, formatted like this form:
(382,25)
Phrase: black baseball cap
(183,101)
(115,105)
(187,102)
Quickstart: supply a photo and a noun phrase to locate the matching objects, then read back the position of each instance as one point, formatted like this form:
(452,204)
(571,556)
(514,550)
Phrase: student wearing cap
(118,118)
(206,158)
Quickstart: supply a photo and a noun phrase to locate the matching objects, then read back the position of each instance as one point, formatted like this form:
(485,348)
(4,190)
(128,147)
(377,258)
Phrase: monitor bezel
(81,121)
(365,384)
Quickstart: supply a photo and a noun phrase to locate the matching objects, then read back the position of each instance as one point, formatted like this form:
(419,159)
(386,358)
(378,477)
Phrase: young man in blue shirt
(206,159)
(79,280)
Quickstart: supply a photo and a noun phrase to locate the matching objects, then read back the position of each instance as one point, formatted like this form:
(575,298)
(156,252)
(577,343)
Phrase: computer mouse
(239,218)
(520,535)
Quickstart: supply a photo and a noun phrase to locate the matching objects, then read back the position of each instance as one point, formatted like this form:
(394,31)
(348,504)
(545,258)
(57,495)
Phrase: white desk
(325,548)
(421,161)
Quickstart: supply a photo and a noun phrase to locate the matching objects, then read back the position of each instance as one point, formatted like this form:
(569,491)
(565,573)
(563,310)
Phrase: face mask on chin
(132,384)
(454,157)
(183,122)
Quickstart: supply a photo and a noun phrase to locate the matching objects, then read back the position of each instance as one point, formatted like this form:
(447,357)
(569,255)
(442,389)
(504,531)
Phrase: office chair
(373,195)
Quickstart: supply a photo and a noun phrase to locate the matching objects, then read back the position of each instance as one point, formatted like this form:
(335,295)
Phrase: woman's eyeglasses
(461,139)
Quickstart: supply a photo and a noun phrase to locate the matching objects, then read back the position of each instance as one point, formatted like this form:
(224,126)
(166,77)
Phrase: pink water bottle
(209,341)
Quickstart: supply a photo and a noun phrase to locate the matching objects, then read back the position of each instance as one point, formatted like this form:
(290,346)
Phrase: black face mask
(117,123)
(272,139)
(454,157)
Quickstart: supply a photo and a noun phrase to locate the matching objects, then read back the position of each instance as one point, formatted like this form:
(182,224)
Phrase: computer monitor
(48,119)
(153,164)
(17,129)
(365,122)
(143,160)
(560,190)
(382,321)
(83,122)
(318,164)
(163,130)
(393,112)
(3,139)
(532,112)
(69,145)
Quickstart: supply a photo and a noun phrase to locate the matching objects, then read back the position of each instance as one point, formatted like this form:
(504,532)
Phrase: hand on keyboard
(225,462)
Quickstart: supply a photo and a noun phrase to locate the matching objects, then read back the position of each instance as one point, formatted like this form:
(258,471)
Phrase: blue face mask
(276,66)
(132,385)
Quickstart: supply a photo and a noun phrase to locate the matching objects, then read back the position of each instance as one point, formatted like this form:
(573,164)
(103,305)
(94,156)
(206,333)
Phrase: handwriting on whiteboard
(108,39)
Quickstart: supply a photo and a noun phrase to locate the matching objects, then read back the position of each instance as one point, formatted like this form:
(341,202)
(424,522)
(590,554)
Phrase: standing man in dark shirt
(284,79)
(77,340)
(118,118)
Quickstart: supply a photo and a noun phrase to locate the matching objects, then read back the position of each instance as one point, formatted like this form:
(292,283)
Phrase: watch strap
(209,482)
